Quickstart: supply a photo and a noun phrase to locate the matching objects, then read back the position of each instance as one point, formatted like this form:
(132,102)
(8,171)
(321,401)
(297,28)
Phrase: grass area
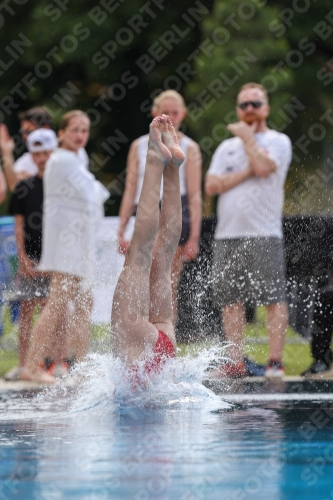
(8,351)
(296,357)
(8,359)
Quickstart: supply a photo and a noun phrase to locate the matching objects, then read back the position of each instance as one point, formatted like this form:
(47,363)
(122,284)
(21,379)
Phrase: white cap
(42,139)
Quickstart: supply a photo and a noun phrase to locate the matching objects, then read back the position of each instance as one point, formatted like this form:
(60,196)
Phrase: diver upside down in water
(142,315)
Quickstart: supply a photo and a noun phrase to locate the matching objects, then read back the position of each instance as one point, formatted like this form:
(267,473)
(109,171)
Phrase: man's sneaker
(254,369)
(232,370)
(317,366)
(274,369)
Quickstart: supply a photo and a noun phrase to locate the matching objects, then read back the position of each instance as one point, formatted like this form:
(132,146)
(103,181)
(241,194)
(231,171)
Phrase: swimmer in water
(142,316)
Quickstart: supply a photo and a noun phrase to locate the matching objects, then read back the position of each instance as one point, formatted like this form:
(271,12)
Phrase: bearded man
(248,173)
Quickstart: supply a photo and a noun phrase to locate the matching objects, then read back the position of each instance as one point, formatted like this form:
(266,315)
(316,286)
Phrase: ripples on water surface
(97,439)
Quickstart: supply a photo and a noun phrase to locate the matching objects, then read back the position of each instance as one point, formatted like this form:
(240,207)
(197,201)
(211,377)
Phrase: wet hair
(64,122)
(168,94)
(39,116)
(253,85)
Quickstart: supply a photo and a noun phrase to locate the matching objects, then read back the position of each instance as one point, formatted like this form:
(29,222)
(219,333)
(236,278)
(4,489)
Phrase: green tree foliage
(241,49)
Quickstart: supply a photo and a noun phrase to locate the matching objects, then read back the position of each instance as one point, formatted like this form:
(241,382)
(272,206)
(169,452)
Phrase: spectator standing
(73,207)
(172,104)
(248,173)
(30,120)
(27,207)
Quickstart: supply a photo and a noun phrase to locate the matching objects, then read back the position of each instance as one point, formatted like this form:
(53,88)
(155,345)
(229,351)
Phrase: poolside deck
(20,385)
(249,386)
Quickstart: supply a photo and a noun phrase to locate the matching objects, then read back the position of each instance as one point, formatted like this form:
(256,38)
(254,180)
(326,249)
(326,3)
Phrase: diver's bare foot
(156,148)
(38,376)
(170,139)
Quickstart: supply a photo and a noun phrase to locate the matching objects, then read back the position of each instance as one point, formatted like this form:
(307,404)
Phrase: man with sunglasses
(248,173)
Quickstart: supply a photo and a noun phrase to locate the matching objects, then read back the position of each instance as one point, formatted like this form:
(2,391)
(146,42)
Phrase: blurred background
(111,57)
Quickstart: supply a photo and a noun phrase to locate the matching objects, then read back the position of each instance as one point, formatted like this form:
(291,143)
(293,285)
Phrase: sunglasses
(254,104)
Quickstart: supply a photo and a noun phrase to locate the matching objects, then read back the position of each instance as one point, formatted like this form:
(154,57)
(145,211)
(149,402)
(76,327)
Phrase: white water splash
(102,383)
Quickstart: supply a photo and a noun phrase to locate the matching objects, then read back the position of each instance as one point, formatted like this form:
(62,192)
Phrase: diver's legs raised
(130,327)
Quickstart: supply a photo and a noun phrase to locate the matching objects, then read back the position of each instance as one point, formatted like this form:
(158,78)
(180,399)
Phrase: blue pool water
(173,440)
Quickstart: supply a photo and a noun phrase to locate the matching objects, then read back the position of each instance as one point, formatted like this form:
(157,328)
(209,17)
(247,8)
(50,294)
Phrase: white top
(73,208)
(142,155)
(26,164)
(254,207)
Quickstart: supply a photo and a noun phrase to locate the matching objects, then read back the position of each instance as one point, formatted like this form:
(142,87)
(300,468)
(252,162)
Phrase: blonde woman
(73,206)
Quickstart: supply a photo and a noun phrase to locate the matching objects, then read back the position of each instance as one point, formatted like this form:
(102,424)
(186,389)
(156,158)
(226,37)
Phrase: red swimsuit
(162,350)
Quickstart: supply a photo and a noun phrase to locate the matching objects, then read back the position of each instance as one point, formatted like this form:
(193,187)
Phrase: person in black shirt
(27,207)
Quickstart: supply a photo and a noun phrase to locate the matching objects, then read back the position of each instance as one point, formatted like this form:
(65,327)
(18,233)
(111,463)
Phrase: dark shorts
(249,269)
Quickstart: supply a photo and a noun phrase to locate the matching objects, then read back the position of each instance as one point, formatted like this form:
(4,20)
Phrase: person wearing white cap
(41,140)
(26,206)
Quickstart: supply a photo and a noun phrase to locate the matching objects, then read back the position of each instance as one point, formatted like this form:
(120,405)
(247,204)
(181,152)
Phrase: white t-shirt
(142,155)
(73,209)
(254,207)
(26,164)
